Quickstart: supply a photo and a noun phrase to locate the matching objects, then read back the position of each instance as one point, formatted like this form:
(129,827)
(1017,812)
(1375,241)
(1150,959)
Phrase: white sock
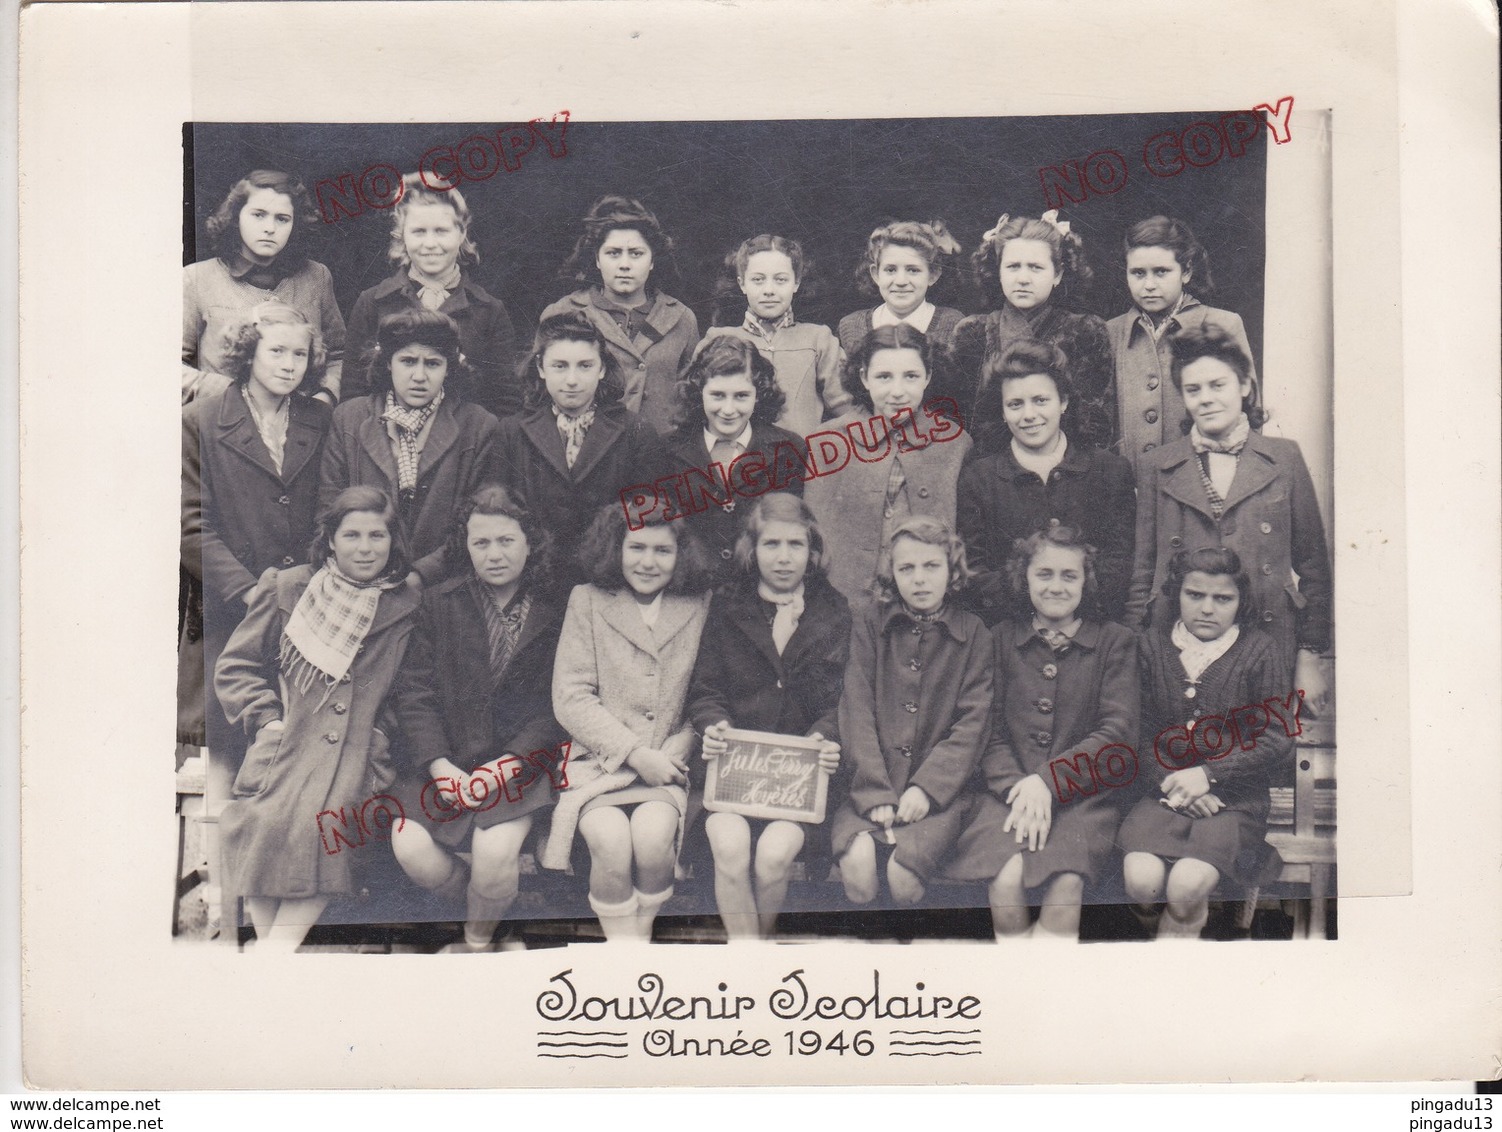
(1171,927)
(648,905)
(617,921)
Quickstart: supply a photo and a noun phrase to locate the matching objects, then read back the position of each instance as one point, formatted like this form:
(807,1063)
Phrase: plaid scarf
(503,628)
(752,325)
(434,295)
(327,627)
(409,425)
(574,430)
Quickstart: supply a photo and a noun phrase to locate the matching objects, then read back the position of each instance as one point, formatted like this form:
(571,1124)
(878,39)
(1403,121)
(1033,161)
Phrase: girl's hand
(1205,807)
(1309,676)
(714,740)
(248,595)
(1032,812)
(414,579)
(829,753)
(913,805)
(882,816)
(275,727)
(440,769)
(1185,786)
(656,768)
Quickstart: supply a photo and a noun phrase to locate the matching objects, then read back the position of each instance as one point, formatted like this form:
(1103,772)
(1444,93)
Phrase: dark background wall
(713,184)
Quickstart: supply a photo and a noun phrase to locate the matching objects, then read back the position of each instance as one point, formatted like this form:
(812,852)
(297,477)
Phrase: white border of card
(805,754)
(111,1003)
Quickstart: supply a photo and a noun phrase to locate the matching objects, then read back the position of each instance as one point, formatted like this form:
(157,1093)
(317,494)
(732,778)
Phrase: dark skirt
(1232,840)
(450,824)
(922,847)
(1080,840)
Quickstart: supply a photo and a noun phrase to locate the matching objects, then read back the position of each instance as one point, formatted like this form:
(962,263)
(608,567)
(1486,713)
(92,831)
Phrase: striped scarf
(327,627)
(503,628)
(409,425)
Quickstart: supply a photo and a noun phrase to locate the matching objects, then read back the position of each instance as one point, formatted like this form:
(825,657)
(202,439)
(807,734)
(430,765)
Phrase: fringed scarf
(327,627)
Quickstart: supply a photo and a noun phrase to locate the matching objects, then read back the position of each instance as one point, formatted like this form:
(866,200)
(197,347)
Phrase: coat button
(340,709)
(725,554)
(1190,692)
(1043,738)
(344,679)
(1152,383)
(1149,446)
(910,707)
(915,664)
(1265,528)
(1052,522)
(1267,615)
(331,737)
(1151,416)
(1175,542)
(285,500)
(1050,670)
(923,493)
(287,561)
(651,716)
(1267,568)
(1045,705)
(642,366)
(905,752)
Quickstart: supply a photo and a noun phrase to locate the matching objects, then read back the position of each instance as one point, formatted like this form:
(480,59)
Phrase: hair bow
(1001,222)
(943,240)
(1052,217)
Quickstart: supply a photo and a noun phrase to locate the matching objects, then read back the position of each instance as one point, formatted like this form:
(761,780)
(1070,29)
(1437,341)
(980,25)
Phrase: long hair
(930,240)
(361,497)
(777,507)
(571,327)
(496,499)
(414,192)
(600,551)
(1067,249)
(1065,537)
(224,223)
(1178,238)
(728,355)
(242,337)
(607,215)
(934,532)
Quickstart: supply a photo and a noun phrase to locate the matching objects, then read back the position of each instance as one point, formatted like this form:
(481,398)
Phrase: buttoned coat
(458,456)
(240,517)
(717,526)
(856,325)
(849,503)
(651,359)
(1000,501)
(486,338)
(1271,521)
(316,776)
(915,711)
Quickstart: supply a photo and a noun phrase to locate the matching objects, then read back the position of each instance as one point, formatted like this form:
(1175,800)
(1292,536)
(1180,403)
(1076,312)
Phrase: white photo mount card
(1283,165)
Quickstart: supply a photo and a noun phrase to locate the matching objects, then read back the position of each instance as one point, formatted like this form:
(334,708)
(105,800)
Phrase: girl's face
(1155,279)
(895,379)
(921,572)
(903,276)
(417,374)
(769,285)
(432,238)
(281,358)
(1213,395)
(1208,604)
(265,224)
(729,401)
(362,546)
(782,555)
(572,371)
(1056,583)
(1033,408)
(625,263)
(1028,275)
(648,557)
(498,549)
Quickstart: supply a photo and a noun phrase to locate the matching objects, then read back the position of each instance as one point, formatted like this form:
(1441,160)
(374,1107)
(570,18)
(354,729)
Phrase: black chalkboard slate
(763,775)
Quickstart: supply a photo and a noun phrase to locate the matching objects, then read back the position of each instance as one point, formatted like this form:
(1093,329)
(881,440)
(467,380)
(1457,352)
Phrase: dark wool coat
(1000,501)
(486,338)
(719,526)
(915,712)
(298,787)
(457,457)
(619,451)
(1086,345)
(1271,521)
(857,324)
(240,517)
(448,706)
(1057,706)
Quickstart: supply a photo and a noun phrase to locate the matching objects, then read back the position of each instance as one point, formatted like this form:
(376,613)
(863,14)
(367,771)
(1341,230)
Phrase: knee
(608,838)
(775,854)
(1191,881)
(906,886)
(858,870)
(653,829)
(1067,888)
(1005,889)
(730,841)
(1142,874)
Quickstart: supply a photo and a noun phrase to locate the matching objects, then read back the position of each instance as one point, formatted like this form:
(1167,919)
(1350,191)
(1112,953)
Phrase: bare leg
(294,919)
(495,877)
(858,869)
(262,911)
(654,832)
(1146,878)
(730,841)
(776,850)
(1009,909)
(906,885)
(1190,883)
(1060,915)
(607,832)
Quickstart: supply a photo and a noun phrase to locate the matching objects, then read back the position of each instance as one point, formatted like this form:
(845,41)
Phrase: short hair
(415,192)
(600,551)
(900,336)
(417,326)
(1208,340)
(728,355)
(571,326)
(610,214)
(1068,252)
(242,337)
(1066,538)
(777,507)
(1178,238)
(934,532)
(224,223)
(766,242)
(360,497)
(930,240)
(1221,561)
(497,499)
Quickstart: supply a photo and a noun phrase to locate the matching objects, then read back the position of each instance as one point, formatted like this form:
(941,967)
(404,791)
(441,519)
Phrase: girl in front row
(773,659)
(1203,816)
(913,718)
(620,683)
(1068,688)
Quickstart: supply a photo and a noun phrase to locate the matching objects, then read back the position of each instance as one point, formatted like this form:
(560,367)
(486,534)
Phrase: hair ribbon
(1052,217)
(1001,222)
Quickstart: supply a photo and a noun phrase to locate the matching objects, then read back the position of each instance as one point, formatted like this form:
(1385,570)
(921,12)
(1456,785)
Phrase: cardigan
(849,503)
(1000,501)
(651,359)
(1271,520)
(214,299)
(458,455)
(807,359)
(1082,338)
(1150,405)
(856,325)
(486,338)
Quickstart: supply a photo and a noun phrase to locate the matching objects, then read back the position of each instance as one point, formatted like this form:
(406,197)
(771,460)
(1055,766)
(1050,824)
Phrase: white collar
(743,441)
(920,319)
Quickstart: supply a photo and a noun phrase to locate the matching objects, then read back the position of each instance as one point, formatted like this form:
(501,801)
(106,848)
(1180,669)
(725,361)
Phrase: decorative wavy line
(933,1033)
(938,1053)
(565,1045)
(582,1033)
(583,1055)
(944,1042)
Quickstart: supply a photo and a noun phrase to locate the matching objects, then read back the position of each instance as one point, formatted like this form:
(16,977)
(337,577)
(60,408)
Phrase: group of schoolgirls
(418,572)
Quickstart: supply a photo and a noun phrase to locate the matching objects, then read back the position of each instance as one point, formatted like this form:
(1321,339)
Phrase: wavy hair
(1067,250)
(728,355)
(414,192)
(242,337)
(604,538)
(933,532)
(224,223)
(360,497)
